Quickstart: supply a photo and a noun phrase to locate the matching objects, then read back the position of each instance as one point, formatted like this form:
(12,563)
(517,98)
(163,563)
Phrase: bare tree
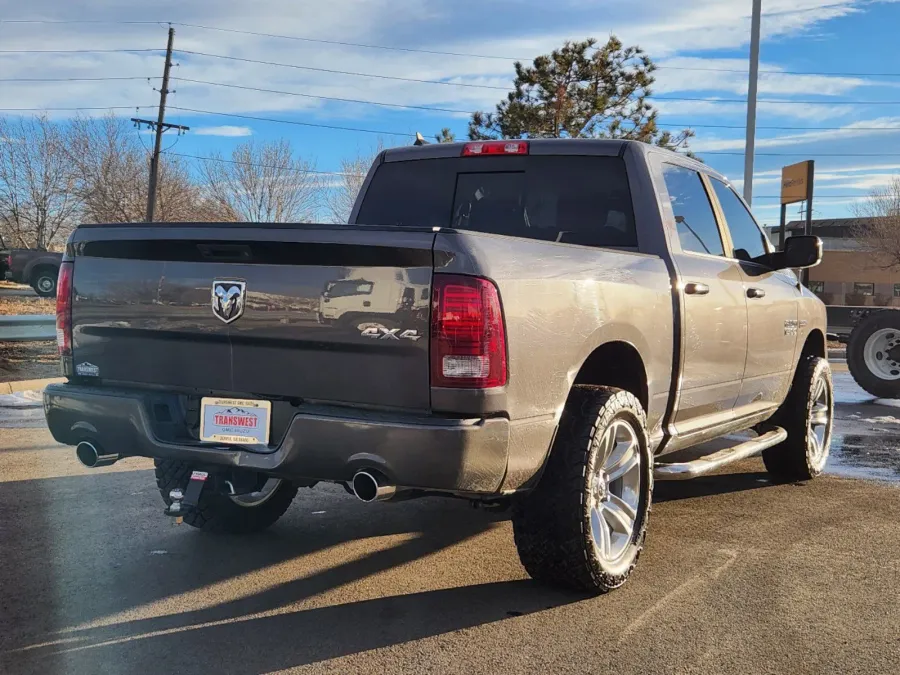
(112,171)
(262,182)
(878,227)
(340,194)
(38,205)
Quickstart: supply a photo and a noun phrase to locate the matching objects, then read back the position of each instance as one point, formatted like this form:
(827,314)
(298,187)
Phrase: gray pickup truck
(539,324)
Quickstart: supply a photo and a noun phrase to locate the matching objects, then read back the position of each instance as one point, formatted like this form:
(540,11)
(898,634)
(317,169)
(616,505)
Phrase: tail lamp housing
(468,336)
(64,289)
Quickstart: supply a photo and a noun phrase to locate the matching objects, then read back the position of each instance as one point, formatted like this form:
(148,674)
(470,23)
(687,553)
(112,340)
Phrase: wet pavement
(739,576)
(866,439)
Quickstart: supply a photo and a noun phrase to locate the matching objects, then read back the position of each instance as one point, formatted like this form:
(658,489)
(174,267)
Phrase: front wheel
(807,415)
(584,524)
(222,514)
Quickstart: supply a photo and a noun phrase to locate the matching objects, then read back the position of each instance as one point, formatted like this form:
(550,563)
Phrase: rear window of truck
(569,199)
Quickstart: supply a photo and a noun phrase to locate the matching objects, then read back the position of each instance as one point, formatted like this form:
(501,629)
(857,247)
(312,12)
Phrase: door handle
(694,288)
(756,293)
(366,303)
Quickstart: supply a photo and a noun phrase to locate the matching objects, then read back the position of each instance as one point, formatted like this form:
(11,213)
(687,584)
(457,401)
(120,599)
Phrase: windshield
(569,199)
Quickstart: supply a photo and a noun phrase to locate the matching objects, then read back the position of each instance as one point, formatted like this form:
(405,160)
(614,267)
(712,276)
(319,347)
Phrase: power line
(803,154)
(294,122)
(342,72)
(487,86)
(344,43)
(775,72)
(415,50)
(261,166)
(469,112)
(769,100)
(773,128)
(77,51)
(65,21)
(107,107)
(818,196)
(75,79)
(326,98)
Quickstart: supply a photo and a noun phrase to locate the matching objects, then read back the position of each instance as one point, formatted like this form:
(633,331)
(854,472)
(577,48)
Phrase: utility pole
(160,126)
(750,146)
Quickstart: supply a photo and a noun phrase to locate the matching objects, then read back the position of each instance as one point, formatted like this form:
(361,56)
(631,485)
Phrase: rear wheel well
(814,345)
(616,364)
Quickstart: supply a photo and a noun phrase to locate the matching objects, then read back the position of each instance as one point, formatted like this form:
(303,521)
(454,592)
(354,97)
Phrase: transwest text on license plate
(231,420)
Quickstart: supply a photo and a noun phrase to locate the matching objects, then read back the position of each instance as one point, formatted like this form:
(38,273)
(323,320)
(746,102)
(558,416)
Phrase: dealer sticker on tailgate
(230,420)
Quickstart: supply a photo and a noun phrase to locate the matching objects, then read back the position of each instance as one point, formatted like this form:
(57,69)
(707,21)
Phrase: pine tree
(581,91)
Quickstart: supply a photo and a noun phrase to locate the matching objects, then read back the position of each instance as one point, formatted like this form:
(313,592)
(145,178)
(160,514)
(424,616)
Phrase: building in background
(847,275)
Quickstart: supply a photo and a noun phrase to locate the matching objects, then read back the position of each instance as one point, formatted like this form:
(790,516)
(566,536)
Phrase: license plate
(231,420)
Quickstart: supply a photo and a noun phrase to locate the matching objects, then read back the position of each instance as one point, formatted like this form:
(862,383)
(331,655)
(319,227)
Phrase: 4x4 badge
(382,333)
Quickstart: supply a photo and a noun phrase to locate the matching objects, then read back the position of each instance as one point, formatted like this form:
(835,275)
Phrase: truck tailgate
(324,313)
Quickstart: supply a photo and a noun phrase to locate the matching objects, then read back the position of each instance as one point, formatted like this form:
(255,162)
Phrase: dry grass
(28,361)
(14,304)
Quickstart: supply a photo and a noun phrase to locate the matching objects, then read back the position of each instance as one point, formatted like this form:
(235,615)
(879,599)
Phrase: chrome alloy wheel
(265,493)
(820,421)
(615,488)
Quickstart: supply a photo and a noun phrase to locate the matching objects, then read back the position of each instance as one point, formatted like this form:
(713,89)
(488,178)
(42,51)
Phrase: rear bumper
(321,443)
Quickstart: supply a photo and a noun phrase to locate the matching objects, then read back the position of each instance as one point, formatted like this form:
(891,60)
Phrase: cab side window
(748,239)
(694,218)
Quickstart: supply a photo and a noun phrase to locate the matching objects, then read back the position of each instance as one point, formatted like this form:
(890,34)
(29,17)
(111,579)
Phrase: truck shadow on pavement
(58,632)
(82,620)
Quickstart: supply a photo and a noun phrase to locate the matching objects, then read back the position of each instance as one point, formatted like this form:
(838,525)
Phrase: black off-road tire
(217,513)
(794,459)
(856,360)
(551,524)
(44,282)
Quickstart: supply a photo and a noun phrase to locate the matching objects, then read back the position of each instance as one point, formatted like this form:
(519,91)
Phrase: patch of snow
(884,419)
(22,399)
(24,409)
(158,552)
(889,402)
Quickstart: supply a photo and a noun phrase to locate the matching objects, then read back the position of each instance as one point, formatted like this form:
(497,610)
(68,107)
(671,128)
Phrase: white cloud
(225,130)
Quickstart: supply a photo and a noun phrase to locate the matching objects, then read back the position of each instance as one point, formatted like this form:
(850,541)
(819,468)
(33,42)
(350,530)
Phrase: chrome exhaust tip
(368,488)
(92,457)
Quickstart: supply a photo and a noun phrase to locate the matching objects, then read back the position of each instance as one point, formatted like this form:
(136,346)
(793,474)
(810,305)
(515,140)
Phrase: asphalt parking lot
(738,576)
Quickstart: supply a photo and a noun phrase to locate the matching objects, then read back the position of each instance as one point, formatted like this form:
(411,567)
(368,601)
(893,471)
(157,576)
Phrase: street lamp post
(750,145)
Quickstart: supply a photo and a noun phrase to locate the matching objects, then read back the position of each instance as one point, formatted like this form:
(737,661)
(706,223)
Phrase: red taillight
(64,309)
(468,339)
(482,148)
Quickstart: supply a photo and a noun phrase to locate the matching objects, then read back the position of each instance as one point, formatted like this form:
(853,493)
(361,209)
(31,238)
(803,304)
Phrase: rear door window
(569,199)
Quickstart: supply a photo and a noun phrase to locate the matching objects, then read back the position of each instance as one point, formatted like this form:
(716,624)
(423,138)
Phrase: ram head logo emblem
(228,299)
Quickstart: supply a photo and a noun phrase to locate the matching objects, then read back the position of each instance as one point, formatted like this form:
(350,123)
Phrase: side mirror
(799,252)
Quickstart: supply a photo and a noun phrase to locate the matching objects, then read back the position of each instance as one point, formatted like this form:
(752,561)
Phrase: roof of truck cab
(602,147)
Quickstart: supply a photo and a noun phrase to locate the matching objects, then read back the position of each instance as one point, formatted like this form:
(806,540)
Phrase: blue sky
(695,42)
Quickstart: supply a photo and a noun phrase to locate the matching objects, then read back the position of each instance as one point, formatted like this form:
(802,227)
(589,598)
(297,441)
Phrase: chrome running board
(704,465)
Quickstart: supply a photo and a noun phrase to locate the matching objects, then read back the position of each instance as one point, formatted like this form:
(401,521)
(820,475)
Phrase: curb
(27,385)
